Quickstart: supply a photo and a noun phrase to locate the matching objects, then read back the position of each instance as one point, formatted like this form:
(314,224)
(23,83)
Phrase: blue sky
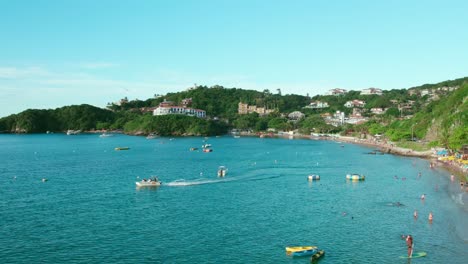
(57,53)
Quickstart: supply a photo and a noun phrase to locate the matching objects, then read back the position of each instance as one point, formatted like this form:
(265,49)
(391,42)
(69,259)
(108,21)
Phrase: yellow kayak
(290,250)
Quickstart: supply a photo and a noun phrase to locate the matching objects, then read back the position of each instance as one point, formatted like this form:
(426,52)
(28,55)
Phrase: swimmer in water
(415,214)
(430,217)
(423,197)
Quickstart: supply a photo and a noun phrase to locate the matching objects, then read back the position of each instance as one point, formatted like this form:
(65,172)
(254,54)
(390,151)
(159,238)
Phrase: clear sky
(56,53)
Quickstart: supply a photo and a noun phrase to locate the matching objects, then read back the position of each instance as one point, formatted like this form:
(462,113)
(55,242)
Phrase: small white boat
(151,136)
(73,132)
(222,171)
(314,177)
(105,135)
(151,182)
(355,177)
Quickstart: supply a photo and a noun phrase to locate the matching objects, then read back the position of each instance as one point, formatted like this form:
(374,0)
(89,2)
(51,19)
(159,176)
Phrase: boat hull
(148,184)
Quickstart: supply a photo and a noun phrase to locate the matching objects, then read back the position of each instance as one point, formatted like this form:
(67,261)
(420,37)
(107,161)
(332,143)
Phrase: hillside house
(179,110)
(317,105)
(247,109)
(371,91)
(295,116)
(355,103)
(337,91)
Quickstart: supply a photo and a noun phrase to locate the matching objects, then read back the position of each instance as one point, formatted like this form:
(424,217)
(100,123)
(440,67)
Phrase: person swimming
(423,196)
(430,217)
(415,214)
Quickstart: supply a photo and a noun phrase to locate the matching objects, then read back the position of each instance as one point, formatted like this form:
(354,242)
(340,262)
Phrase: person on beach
(409,244)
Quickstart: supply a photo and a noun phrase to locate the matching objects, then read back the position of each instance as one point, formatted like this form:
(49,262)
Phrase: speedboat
(222,171)
(151,182)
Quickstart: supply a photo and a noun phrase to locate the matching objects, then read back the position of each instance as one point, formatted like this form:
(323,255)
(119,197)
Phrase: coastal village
(359,115)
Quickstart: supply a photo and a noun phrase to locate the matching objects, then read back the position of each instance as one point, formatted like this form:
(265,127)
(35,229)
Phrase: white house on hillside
(371,91)
(317,105)
(337,91)
(296,115)
(179,110)
(355,103)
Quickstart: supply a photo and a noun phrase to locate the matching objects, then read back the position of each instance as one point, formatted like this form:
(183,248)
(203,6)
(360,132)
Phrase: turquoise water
(89,210)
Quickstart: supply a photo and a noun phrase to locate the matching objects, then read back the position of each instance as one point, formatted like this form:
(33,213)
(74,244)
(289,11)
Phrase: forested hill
(435,113)
(219,101)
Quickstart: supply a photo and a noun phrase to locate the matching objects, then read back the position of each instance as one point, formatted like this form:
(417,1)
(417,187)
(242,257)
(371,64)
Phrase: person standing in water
(415,214)
(430,217)
(409,244)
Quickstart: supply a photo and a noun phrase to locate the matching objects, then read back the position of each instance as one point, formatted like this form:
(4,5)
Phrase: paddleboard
(416,255)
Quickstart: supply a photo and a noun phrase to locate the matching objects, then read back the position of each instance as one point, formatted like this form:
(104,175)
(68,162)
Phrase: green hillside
(431,113)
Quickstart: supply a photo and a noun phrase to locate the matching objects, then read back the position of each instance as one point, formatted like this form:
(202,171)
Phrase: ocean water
(90,211)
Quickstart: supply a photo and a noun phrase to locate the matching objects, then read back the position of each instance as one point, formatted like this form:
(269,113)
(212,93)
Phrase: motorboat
(314,177)
(222,171)
(73,132)
(105,135)
(355,177)
(151,182)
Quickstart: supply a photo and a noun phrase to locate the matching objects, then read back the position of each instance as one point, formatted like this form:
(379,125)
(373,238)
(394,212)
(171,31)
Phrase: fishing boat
(151,182)
(122,148)
(222,171)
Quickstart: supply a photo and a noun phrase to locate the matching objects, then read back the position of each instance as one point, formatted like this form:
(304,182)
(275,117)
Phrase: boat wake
(183,182)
